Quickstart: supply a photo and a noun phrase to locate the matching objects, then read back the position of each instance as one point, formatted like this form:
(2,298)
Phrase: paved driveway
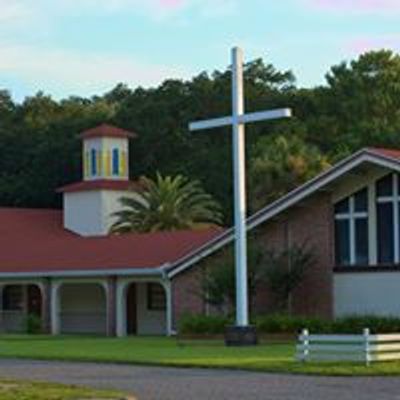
(153,383)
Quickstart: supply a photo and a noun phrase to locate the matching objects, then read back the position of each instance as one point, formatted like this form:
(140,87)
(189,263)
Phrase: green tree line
(359,105)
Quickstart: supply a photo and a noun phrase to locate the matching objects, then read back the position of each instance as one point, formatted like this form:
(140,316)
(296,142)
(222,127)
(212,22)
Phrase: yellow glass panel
(108,163)
(86,161)
(124,166)
(99,163)
(105,163)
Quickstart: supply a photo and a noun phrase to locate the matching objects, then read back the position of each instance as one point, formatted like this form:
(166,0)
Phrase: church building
(64,266)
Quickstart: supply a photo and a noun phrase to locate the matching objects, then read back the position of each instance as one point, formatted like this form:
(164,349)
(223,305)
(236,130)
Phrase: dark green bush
(355,324)
(202,324)
(281,323)
(33,324)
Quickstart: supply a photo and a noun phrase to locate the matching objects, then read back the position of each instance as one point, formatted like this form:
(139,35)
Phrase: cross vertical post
(239,162)
(242,333)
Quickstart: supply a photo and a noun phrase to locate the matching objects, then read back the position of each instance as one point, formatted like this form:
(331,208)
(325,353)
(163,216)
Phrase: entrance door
(131,311)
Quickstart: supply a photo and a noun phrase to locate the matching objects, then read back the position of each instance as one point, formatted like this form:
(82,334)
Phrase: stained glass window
(351,230)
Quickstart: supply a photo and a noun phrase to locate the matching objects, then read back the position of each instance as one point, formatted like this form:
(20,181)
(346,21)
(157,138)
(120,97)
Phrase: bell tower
(106,153)
(89,204)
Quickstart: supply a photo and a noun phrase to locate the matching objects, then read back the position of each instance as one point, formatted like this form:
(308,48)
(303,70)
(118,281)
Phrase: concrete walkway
(153,383)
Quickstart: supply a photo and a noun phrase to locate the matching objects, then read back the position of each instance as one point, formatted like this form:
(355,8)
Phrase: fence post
(366,333)
(306,344)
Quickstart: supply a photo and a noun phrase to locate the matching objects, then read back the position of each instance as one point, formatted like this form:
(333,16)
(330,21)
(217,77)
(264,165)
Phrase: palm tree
(167,204)
(280,164)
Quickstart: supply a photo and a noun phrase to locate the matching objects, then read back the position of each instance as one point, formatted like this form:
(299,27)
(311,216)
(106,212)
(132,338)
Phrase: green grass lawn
(18,390)
(165,351)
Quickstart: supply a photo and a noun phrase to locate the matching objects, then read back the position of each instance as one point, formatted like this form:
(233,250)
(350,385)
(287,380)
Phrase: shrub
(202,324)
(285,271)
(351,324)
(33,324)
(280,323)
(355,324)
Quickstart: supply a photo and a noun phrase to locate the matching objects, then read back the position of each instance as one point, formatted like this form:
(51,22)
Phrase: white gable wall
(89,213)
(82,213)
(363,293)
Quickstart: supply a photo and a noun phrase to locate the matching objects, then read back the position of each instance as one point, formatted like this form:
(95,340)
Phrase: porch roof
(34,241)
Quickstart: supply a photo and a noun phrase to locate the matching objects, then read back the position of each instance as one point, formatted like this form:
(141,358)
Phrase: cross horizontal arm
(211,123)
(265,115)
(241,119)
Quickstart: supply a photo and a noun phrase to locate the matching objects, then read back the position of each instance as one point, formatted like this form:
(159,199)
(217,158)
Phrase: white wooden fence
(362,348)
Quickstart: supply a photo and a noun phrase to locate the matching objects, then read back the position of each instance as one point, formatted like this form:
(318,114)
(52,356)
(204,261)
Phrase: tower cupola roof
(106,130)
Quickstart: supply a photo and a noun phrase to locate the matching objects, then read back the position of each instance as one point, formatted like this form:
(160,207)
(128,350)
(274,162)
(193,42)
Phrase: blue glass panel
(361,201)
(342,242)
(342,207)
(361,241)
(115,162)
(384,187)
(93,162)
(385,233)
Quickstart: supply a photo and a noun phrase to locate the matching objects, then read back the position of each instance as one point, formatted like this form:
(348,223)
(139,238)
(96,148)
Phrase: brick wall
(310,222)
(186,294)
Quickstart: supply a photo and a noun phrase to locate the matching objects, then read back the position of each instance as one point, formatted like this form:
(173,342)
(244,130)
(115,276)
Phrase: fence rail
(359,348)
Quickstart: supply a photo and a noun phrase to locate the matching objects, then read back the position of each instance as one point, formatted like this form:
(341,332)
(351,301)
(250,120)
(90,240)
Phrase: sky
(86,47)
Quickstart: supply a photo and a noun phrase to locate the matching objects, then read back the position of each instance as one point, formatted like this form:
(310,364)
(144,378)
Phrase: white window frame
(352,215)
(394,199)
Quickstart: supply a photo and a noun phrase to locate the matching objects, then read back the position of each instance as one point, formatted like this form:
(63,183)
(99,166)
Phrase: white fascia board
(285,202)
(318,183)
(159,271)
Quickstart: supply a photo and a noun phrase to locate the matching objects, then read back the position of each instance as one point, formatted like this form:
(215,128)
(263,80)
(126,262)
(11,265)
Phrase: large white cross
(238,121)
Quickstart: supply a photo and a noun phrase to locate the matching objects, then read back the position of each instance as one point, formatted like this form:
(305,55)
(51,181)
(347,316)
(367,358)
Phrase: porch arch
(82,308)
(136,314)
(17,302)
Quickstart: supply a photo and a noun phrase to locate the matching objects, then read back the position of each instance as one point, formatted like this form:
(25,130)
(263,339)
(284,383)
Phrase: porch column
(25,298)
(121,309)
(111,295)
(55,308)
(168,313)
(46,305)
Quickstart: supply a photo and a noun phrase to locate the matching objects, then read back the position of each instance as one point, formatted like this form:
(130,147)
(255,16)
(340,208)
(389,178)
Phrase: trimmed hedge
(278,323)
(202,324)
(290,324)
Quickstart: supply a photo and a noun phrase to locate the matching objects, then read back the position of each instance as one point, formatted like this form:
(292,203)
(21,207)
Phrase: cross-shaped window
(351,229)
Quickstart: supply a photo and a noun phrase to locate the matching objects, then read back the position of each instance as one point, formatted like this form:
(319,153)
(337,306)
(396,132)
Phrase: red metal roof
(392,153)
(99,184)
(35,241)
(106,130)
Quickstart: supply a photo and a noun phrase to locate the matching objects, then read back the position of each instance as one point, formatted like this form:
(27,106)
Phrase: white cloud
(156,9)
(363,44)
(357,6)
(80,73)
(59,70)
(14,11)
(216,8)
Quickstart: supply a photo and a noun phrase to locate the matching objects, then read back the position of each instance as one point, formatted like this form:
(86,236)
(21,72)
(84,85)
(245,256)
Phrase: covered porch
(112,306)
